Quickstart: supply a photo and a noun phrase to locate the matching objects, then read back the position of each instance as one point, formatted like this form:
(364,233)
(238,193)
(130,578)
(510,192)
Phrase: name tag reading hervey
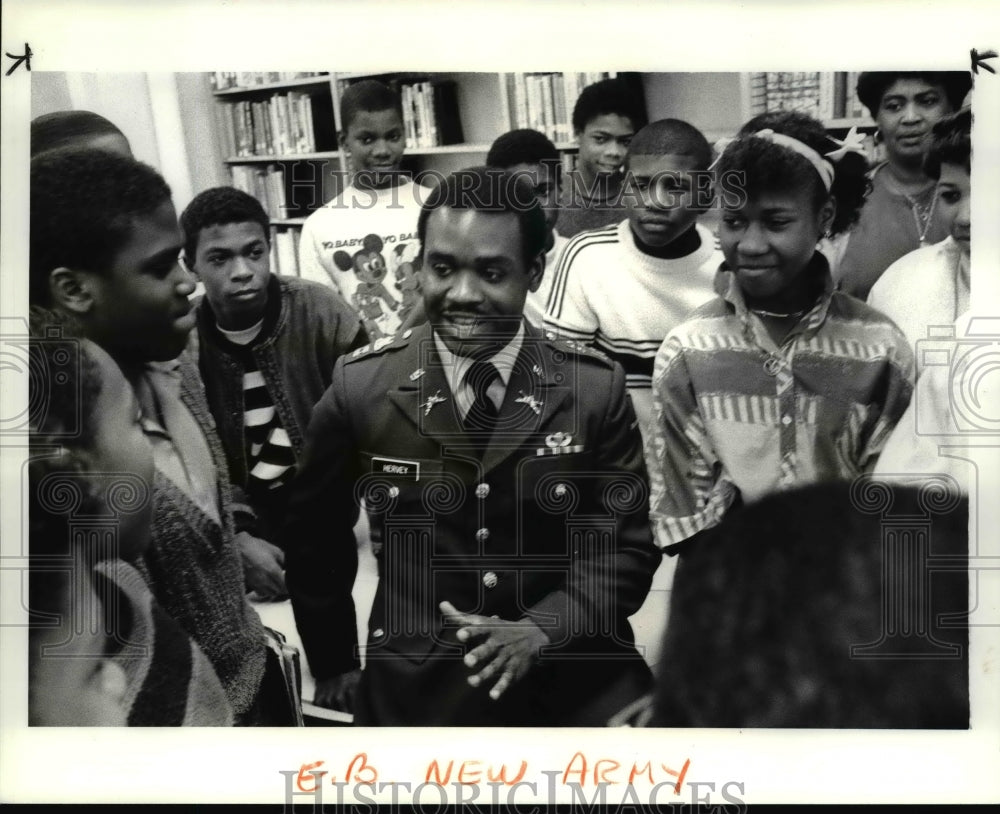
(397,467)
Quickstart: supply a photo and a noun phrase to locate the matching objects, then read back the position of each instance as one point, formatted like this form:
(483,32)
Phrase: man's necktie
(482,416)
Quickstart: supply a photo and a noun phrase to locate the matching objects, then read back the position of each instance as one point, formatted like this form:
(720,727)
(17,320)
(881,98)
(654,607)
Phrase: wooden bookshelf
(271,159)
(294,84)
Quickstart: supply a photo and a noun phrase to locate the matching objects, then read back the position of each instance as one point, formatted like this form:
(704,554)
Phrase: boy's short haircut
(872,85)
(671,137)
(490,190)
(83,206)
(951,143)
(608,96)
(524,147)
(368,95)
(64,128)
(217,207)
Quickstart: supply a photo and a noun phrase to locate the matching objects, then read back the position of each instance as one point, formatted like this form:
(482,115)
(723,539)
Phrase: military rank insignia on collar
(433,400)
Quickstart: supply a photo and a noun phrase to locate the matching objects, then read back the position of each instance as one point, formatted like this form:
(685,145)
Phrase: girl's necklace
(762,313)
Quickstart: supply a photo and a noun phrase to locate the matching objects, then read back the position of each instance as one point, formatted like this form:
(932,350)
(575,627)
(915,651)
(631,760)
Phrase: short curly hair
(951,143)
(66,128)
(524,147)
(494,191)
(672,137)
(83,207)
(764,166)
(872,85)
(368,95)
(217,207)
(608,96)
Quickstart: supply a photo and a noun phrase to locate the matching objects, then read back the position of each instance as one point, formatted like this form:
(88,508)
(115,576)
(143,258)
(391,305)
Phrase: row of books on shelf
(430,114)
(267,185)
(544,101)
(226,80)
(824,95)
(284,124)
(285,251)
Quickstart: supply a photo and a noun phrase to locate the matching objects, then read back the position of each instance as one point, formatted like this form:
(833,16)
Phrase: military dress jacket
(546,518)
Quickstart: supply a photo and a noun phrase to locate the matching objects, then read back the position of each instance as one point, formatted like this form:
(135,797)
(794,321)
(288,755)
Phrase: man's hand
(337,692)
(263,567)
(505,651)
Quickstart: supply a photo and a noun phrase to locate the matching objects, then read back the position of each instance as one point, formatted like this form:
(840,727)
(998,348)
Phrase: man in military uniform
(503,476)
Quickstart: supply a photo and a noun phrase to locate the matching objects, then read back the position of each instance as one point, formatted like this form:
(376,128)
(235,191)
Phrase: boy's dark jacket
(307,326)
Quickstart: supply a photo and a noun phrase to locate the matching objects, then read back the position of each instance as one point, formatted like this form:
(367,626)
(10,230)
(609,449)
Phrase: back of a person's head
(219,206)
(492,191)
(522,147)
(766,608)
(83,207)
(609,96)
(951,143)
(75,129)
(872,85)
(370,96)
(672,137)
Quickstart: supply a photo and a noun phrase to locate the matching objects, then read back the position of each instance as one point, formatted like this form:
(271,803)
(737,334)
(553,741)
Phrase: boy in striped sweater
(623,288)
(267,346)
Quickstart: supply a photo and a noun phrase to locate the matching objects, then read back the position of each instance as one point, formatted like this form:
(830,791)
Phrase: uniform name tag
(395,466)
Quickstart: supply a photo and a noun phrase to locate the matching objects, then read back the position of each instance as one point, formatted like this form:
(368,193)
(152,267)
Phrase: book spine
(274,258)
(825,96)
(310,124)
(433,112)
(407,116)
(559,99)
(550,111)
(521,98)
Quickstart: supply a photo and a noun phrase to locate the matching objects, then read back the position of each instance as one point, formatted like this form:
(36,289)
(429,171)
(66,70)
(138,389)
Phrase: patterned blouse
(736,416)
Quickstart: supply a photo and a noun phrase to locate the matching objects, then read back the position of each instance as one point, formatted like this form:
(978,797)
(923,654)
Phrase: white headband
(852,143)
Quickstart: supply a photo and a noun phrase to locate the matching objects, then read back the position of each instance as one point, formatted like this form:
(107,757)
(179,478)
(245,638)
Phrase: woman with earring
(901,212)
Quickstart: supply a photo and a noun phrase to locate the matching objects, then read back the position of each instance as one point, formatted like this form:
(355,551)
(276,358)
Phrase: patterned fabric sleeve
(688,491)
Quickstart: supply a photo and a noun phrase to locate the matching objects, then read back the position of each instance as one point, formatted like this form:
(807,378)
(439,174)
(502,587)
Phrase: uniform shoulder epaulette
(380,346)
(579,348)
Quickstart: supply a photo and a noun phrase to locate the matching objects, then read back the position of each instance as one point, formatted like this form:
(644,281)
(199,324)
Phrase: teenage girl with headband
(780,381)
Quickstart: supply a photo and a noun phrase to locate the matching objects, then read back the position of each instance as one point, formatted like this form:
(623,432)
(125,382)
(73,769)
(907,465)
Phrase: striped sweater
(735,416)
(609,294)
(195,569)
(169,681)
